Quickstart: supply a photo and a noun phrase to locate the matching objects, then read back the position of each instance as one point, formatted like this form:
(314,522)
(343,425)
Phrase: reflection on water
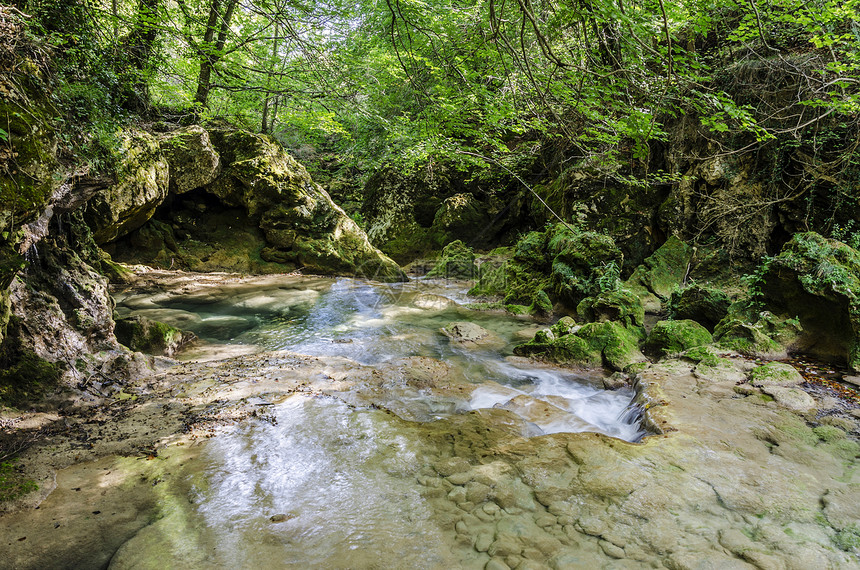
(372,323)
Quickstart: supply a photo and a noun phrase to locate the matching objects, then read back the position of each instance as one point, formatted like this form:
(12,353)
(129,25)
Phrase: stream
(373,441)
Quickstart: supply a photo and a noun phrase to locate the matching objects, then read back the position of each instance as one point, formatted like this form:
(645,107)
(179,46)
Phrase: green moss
(664,270)
(25,377)
(593,344)
(151,337)
(775,374)
(614,305)
(828,434)
(13,485)
(668,337)
(704,355)
(845,449)
(704,305)
(457,261)
(848,539)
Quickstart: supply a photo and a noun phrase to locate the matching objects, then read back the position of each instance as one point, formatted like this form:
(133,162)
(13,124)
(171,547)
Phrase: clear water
(372,323)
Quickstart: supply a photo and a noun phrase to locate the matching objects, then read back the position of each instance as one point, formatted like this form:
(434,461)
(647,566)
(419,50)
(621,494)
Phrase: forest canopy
(475,81)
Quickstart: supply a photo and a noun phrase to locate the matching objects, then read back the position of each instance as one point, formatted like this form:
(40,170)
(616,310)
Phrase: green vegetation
(12,484)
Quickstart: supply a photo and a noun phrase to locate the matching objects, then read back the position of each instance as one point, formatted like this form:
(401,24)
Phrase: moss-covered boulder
(151,337)
(411,214)
(757,334)
(670,337)
(459,216)
(192,160)
(580,262)
(457,261)
(141,185)
(615,305)
(300,221)
(606,344)
(817,280)
(705,305)
(661,273)
(599,202)
(775,374)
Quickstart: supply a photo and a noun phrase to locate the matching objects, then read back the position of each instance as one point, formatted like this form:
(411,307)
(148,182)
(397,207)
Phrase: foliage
(12,483)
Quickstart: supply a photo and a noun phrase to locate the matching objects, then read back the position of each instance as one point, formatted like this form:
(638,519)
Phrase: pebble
(483,542)
(496,564)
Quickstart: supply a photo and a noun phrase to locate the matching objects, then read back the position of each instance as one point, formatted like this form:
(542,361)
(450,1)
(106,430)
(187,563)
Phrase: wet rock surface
(735,473)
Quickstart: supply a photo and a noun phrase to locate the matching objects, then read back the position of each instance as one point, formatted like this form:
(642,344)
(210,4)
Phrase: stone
(593,344)
(705,305)
(457,261)
(143,175)
(775,374)
(669,337)
(792,398)
(659,275)
(468,334)
(151,337)
(615,305)
(295,214)
(815,279)
(193,161)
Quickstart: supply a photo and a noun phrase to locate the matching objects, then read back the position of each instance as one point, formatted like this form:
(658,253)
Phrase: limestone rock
(151,337)
(593,344)
(705,305)
(466,333)
(668,337)
(660,273)
(817,279)
(792,398)
(296,215)
(142,185)
(616,305)
(192,159)
(776,374)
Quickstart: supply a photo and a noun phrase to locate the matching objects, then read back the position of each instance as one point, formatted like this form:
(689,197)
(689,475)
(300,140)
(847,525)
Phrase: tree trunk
(212,53)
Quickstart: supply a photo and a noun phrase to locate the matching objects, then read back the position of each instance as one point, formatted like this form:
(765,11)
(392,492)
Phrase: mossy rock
(457,261)
(670,337)
(817,280)
(749,335)
(192,159)
(775,374)
(617,305)
(593,344)
(24,376)
(28,179)
(461,216)
(294,213)
(580,260)
(151,337)
(705,305)
(142,184)
(661,273)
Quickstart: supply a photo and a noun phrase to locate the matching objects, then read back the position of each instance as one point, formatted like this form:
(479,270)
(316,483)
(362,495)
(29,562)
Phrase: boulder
(193,161)
(705,305)
(469,334)
(606,344)
(141,185)
(614,305)
(298,218)
(661,273)
(669,337)
(151,337)
(457,261)
(776,374)
(817,280)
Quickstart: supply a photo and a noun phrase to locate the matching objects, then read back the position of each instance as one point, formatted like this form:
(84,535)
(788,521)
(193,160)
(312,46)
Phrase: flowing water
(325,484)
